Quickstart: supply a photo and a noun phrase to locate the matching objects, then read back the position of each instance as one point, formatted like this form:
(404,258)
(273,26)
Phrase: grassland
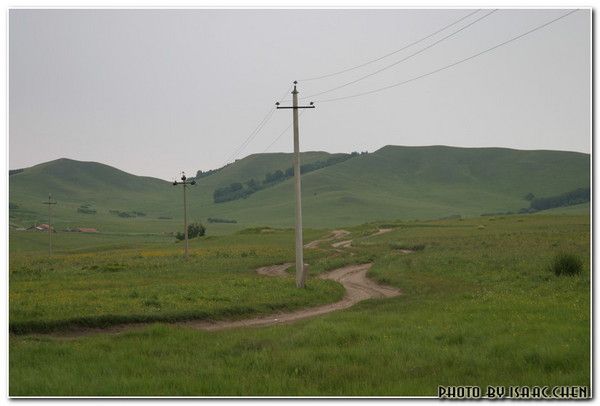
(479,307)
(108,284)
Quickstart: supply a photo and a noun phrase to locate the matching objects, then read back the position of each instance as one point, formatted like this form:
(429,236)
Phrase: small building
(41,227)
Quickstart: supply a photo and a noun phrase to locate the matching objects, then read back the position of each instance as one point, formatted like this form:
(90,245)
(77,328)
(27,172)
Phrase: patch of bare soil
(335,234)
(382,231)
(274,270)
(342,244)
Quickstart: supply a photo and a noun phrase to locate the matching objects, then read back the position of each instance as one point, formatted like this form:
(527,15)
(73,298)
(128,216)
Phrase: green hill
(104,189)
(392,183)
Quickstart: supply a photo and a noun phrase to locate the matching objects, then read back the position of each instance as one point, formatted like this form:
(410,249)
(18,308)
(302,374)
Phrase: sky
(155,92)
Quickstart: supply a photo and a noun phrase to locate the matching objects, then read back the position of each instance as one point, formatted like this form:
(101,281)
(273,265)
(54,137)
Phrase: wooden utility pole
(300,271)
(49,203)
(185,182)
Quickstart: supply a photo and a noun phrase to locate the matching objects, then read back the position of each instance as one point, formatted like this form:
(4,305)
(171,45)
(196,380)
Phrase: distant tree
(529,196)
(203,174)
(253,185)
(577,196)
(194,230)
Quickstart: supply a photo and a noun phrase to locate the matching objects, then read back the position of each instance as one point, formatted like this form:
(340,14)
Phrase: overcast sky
(154,92)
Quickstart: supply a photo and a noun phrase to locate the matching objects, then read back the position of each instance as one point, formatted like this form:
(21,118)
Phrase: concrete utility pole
(185,182)
(300,271)
(49,203)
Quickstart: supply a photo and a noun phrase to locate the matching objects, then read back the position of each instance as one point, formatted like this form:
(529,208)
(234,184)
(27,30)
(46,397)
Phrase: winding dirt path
(342,244)
(381,231)
(335,234)
(353,277)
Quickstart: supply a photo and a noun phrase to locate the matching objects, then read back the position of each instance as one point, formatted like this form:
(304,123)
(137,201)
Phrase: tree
(194,230)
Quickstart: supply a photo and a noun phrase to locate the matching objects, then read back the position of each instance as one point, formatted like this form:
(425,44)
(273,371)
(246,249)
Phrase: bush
(194,230)
(566,264)
(407,247)
(218,220)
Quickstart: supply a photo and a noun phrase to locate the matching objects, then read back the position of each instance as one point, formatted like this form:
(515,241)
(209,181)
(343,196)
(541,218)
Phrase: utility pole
(49,203)
(185,182)
(300,271)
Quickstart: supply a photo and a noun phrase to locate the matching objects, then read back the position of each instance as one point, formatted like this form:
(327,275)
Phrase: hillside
(392,183)
(416,182)
(104,188)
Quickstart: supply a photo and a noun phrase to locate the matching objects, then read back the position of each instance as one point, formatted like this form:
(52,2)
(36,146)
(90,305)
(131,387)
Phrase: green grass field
(479,307)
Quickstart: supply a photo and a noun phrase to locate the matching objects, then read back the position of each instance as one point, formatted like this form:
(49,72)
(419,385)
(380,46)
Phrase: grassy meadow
(479,307)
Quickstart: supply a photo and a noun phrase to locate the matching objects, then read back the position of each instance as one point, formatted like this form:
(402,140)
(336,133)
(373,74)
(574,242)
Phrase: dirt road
(353,278)
(335,234)
(381,231)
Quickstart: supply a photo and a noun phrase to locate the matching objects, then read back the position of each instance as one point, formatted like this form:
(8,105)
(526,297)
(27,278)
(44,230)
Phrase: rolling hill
(394,182)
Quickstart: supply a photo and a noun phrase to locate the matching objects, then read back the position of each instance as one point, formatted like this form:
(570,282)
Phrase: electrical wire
(391,53)
(450,65)
(401,60)
(281,134)
(254,133)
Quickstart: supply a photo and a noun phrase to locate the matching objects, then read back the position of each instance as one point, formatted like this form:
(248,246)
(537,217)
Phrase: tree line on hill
(577,196)
(238,190)
(14,171)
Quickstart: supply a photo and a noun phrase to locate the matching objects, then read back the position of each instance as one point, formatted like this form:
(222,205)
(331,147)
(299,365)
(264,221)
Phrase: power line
(281,133)
(254,133)
(393,52)
(401,60)
(450,65)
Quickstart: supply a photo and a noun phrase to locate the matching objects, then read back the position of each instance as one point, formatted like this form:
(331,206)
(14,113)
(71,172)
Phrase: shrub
(218,220)
(408,247)
(566,264)
(194,230)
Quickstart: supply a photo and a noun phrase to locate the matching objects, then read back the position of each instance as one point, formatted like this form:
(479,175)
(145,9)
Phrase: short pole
(49,203)
(185,182)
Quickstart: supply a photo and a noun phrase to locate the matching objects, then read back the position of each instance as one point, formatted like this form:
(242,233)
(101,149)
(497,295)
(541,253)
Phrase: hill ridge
(394,182)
